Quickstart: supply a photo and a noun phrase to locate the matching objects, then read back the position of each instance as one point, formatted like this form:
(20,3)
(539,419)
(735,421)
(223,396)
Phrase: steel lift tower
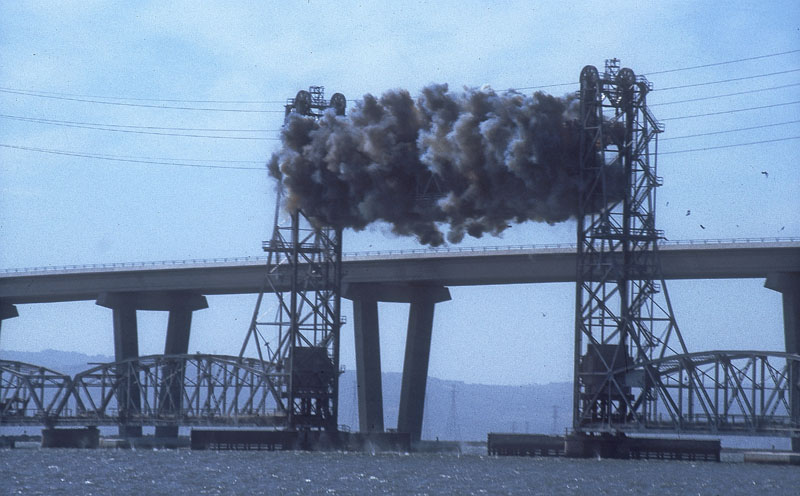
(623,315)
(299,347)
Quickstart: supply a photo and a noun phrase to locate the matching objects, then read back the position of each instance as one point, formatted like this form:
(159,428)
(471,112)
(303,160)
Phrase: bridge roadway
(711,259)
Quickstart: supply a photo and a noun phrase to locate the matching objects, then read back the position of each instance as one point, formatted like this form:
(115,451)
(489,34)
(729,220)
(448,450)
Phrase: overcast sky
(133,80)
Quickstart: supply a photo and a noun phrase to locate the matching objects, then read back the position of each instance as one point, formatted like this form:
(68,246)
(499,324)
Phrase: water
(176,472)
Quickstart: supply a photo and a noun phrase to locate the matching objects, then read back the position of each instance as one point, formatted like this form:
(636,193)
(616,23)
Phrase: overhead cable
(123,104)
(119,159)
(728,131)
(729,146)
(729,111)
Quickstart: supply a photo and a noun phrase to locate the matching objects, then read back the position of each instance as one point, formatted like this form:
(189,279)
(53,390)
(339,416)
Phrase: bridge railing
(377,253)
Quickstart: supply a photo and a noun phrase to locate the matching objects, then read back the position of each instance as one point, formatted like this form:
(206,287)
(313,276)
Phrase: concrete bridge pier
(368,365)
(180,305)
(365,299)
(788,284)
(7,311)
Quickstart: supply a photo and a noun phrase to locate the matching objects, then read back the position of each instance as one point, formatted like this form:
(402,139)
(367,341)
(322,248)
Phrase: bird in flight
(688,213)
(702,226)
(766,174)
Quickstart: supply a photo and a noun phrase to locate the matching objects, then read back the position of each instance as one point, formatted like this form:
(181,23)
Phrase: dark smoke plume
(473,161)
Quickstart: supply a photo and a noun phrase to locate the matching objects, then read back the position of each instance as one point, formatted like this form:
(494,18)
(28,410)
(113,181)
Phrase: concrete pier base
(246,440)
(88,437)
(582,445)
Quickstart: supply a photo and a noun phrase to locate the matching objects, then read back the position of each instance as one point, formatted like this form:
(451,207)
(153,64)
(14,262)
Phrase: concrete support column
(418,347)
(788,284)
(126,345)
(415,369)
(7,311)
(368,365)
(181,306)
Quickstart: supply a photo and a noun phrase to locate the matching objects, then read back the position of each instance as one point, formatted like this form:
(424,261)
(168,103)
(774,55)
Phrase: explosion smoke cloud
(471,162)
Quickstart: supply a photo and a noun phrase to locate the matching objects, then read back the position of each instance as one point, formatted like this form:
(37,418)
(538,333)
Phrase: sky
(155,84)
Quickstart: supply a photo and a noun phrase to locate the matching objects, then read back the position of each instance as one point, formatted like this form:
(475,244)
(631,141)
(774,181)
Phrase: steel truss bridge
(713,392)
(157,390)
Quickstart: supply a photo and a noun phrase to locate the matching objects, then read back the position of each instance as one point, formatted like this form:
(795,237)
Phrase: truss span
(713,392)
(30,393)
(158,390)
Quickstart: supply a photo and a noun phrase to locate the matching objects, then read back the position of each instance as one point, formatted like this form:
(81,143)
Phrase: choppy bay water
(178,472)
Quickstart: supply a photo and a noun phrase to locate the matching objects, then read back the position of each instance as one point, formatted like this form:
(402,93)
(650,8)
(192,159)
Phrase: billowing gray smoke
(473,161)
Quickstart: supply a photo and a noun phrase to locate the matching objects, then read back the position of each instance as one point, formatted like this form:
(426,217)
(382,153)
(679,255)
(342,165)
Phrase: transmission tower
(623,315)
(453,429)
(299,347)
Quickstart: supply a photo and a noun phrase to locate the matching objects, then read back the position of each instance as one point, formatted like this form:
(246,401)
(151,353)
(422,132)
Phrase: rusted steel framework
(623,316)
(299,346)
(30,394)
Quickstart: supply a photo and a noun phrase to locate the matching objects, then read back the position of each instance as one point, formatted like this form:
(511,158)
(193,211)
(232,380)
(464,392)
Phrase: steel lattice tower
(300,346)
(623,316)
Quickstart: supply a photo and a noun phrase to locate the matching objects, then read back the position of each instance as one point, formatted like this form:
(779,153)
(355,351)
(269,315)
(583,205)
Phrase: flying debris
(702,226)
(782,228)
(470,162)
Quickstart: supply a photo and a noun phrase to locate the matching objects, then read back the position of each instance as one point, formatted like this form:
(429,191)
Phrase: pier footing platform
(580,445)
(272,440)
(88,437)
(772,457)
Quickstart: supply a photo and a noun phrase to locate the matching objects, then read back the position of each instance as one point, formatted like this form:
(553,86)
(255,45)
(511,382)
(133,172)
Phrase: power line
(724,95)
(92,98)
(108,157)
(57,122)
(729,111)
(682,69)
(88,100)
(721,63)
(729,146)
(726,80)
(167,100)
(729,130)
(156,133)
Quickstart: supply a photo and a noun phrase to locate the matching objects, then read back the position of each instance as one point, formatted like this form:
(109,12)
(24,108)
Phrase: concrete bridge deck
(709,259)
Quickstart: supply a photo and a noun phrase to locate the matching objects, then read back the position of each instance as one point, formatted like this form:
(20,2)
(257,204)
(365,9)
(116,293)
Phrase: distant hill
(66,362)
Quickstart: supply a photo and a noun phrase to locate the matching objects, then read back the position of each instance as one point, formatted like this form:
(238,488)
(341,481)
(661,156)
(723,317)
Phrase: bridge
(696,259)
(725,392)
